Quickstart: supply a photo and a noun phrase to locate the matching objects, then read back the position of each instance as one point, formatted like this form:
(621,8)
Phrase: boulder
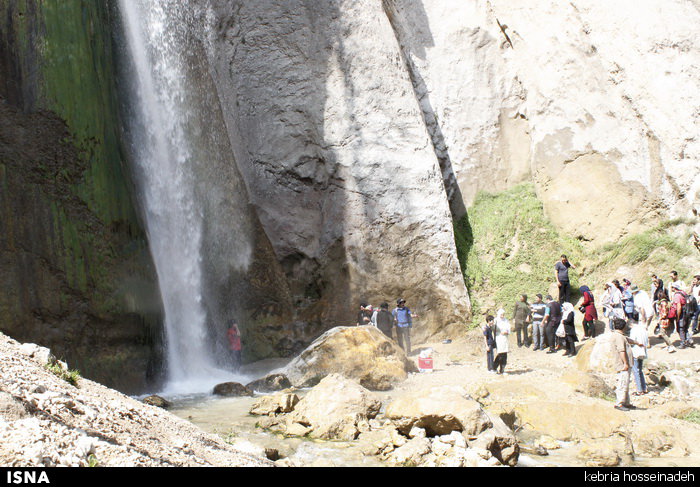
(681,382)
(597,355)
(659,441)
(411,454)
(600,453)
(274,405)
(337,408)
(157,401)
(587,383)
(500,441)
(362,353)
(40,354)
(232,389)
(439,411)
(571,420)
(270,383)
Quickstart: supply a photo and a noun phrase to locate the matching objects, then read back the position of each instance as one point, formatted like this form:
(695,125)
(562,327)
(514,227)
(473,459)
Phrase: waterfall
(167,123)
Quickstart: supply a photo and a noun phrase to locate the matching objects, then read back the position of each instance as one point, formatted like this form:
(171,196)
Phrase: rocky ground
(546,409)
(554,401)
(45,420)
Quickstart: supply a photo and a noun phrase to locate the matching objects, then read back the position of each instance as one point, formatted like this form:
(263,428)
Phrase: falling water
(167,151)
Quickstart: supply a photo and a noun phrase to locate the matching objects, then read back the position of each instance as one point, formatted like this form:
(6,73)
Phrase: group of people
(400,319)
(632,316)
(551,323)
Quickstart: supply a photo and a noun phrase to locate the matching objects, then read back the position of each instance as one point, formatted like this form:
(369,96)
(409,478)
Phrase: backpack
(691,305)
(672,313)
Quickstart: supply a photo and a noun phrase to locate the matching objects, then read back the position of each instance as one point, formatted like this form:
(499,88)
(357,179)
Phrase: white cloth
(642,301)
(638,333)
(502,330)
(695,291)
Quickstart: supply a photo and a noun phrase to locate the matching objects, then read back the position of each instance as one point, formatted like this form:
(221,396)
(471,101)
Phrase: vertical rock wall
(332,143)
(76,272)
(596,103)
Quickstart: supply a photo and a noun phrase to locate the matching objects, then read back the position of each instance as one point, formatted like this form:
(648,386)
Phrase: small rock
(270,383)
(275,404)
(232,389)
(157,401)
(272,454)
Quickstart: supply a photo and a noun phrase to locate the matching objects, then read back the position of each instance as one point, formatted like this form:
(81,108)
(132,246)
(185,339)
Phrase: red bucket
(425,364)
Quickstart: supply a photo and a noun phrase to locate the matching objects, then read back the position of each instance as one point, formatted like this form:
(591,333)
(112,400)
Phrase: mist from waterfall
(167,125)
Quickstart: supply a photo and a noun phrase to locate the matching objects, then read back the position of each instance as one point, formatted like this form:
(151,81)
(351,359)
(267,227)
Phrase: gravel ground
(46,421)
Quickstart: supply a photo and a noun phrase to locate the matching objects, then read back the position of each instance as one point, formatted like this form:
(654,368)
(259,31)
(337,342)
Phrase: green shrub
(506,247)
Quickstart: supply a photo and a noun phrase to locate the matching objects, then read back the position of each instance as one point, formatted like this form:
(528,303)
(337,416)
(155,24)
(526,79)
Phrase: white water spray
(156,33)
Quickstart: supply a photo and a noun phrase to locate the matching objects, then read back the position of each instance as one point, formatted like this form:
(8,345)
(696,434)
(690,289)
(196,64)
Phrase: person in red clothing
(234,342)
(590,314)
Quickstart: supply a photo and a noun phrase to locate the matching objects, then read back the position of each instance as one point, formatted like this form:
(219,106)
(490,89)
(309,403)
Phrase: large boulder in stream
(439,411)
(337,408)
(232,389)
(270,383)
(362,353)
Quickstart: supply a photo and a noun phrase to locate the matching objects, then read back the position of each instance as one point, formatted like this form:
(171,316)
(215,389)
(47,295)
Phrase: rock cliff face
(595,103)
(333,146)
(76,272)
(360,129)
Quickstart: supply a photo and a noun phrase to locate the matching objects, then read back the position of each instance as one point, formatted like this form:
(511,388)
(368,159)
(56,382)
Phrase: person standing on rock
(234,342)
(364,316)
(404,322)
(568,317)
(590,313)
(488,331)
(561,271)
(537,310)
(385,321)
(639,339)
(552,321)
(627,299)
(621,358)
(502,330)
(521,318)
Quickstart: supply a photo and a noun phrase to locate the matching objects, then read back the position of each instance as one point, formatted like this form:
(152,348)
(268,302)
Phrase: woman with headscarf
(502,330)
(590,313)
(568,317)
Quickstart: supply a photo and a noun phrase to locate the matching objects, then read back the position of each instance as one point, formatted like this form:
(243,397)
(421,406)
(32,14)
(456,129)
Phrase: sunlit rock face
(596,103)
(332,143)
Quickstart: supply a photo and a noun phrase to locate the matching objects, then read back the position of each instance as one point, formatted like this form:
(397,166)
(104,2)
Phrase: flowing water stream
(169,126)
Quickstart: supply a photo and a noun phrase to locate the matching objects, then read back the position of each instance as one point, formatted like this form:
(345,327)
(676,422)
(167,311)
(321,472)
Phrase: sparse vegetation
(693,416)
(506,246)
(70,376)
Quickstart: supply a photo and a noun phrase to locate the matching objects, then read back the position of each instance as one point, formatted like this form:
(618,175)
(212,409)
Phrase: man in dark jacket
(521,318)
(385,321)
(552,319)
